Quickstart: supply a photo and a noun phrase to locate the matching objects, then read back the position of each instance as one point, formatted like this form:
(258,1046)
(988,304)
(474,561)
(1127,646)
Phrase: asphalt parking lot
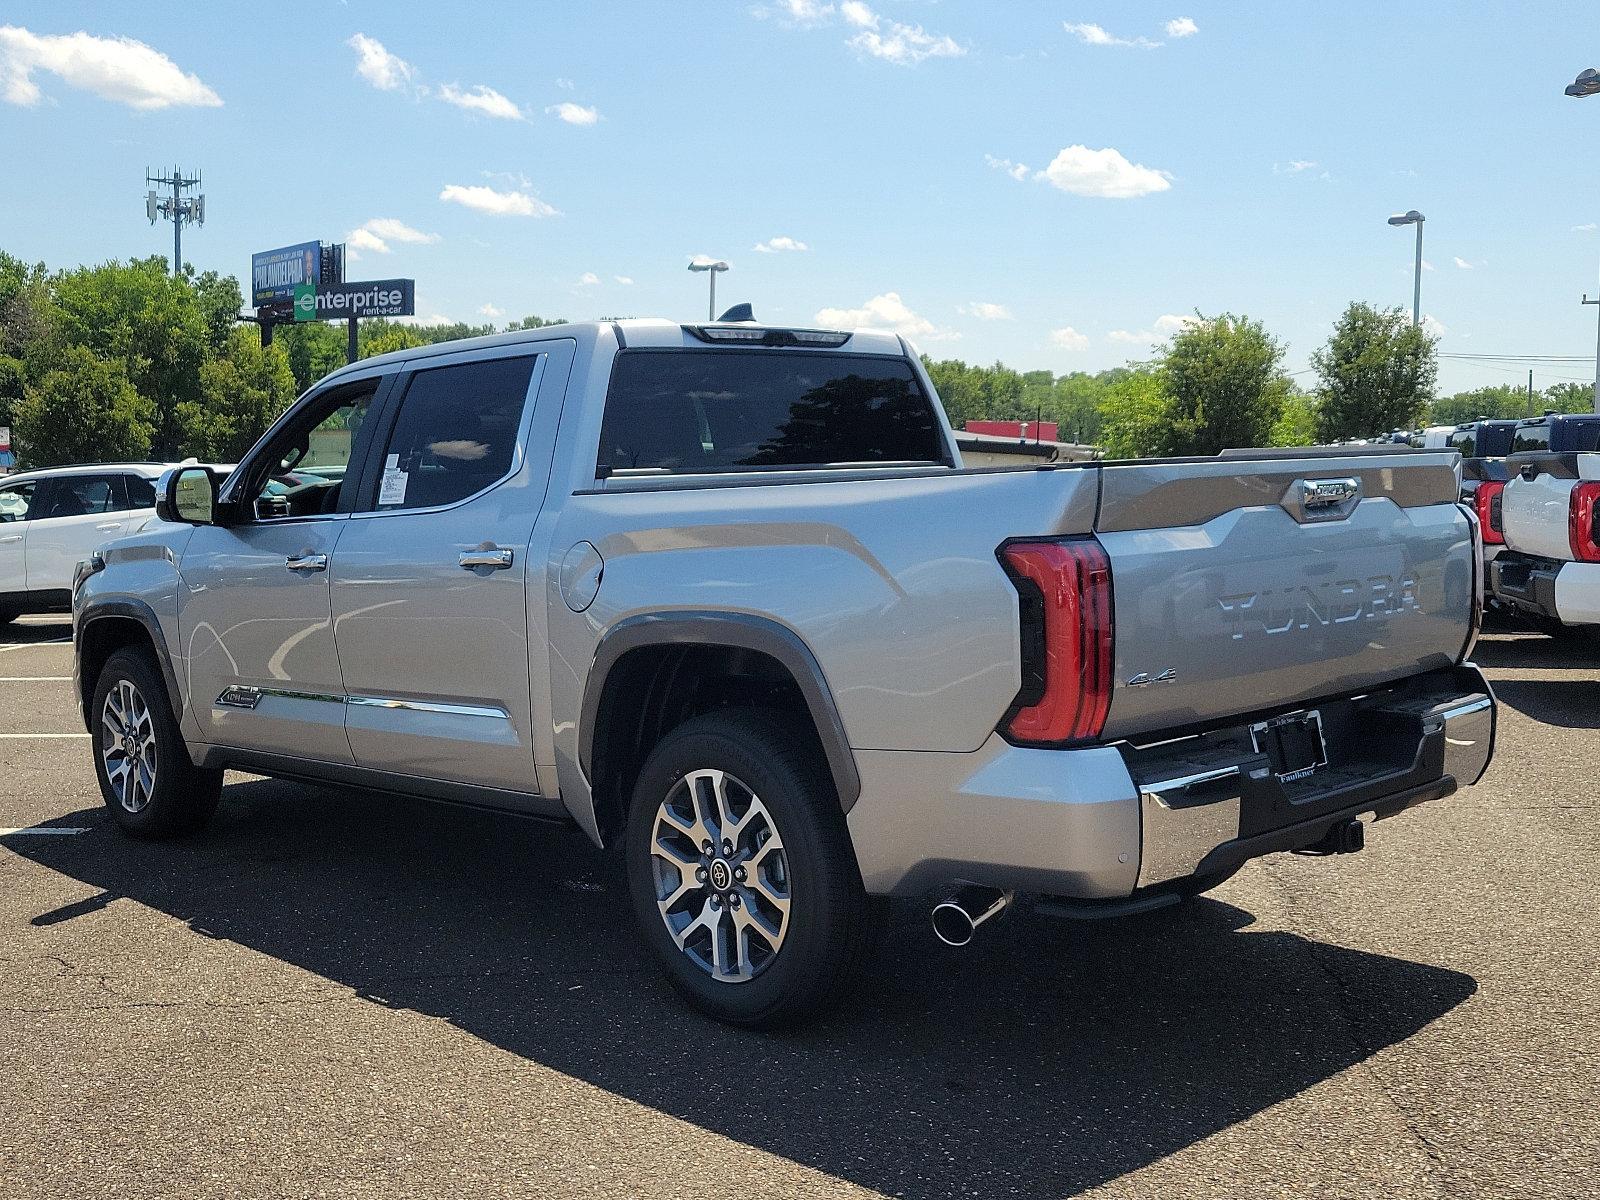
(329,993)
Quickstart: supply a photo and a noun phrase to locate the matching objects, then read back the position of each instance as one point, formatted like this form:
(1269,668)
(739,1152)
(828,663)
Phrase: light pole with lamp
(1588,84)
(712,266)
(1414,218)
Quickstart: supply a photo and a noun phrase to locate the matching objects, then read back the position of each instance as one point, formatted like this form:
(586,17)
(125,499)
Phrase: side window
(141,491)
(455,434)
(301,471)
(84,496)
(15,502)
(1463,441)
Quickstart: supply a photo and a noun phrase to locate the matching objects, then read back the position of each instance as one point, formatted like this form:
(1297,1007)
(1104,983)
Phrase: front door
(429,584)
(76,513)
(16,500)
(254,610)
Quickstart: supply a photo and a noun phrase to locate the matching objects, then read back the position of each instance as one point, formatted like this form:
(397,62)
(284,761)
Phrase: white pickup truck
(1550,569)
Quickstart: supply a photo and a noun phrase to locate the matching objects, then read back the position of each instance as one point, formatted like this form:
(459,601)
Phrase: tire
(1199,885)
(158,792)
(750,771)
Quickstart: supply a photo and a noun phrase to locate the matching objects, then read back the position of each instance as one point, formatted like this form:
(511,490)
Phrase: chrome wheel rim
(128,746)
(721,875)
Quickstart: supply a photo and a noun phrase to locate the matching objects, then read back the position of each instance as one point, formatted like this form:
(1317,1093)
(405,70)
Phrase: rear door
(78,513)
(430,583)
(1245,585)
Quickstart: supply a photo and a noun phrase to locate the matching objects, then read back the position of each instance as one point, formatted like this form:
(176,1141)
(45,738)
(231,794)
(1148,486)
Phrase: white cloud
(1461,262)
(1017,171)
(624,280)
(1295,166)
(114,68)
(986,311)
(1103,173)
(497,203)
(903,45)
(1181,27)
(588,279)
(490,311)
(575,114)
(803,13)
(1161,329)
(1095,35)
(776,244)
(481,98)
(1586,227)
(565,84)
(434,319)
(1426,265)
(1432,326)
(377,66)
(1069,338)
(375,235)
(887,311)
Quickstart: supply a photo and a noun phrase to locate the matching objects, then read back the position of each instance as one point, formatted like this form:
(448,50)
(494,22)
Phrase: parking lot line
(43,735)
(66,641)
(35,678)
(45,831)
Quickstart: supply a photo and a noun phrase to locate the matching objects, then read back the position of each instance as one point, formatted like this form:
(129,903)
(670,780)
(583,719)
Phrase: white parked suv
(52,519)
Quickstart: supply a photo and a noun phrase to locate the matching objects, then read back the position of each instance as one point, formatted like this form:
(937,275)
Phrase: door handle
(6,541)
(496,558)
(306,562)
(109,525)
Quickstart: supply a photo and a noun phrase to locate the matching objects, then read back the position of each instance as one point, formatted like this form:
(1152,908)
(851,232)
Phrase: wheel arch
(112,625)
(645,671)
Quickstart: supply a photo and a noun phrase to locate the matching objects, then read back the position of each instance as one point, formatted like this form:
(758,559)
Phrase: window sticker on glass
(393,488)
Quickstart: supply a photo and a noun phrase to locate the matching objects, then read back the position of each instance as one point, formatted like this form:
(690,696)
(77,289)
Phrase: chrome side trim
(1183,782)
(242,697)
(428,706)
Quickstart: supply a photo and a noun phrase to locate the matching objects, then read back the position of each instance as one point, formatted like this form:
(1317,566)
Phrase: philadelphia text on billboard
(274,274)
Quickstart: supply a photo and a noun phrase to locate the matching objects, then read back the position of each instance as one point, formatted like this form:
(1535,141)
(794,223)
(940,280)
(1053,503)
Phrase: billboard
(365,298)
(274,274)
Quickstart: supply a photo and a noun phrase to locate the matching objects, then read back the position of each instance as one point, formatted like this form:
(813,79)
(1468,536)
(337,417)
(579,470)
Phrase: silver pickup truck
(724,596)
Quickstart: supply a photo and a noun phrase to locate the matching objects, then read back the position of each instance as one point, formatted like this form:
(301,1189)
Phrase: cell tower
(176,208)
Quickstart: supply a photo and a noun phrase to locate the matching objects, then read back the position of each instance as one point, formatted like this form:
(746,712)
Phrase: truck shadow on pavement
(1043,1060)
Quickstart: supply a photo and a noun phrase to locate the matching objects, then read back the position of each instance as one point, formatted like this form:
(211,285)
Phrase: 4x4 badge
(1145,679)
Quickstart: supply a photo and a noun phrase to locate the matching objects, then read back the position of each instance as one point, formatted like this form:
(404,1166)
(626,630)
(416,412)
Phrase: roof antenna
(739,312)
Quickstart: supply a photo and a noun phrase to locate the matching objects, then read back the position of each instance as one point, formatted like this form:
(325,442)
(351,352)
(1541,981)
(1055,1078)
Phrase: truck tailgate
(1242,585)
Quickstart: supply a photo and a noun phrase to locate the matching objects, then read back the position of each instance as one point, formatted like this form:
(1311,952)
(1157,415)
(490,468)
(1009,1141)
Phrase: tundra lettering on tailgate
(1275,611)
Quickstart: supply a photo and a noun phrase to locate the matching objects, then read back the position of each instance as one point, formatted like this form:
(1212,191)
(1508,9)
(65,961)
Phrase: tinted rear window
(691,411)
(1530,437)
(1494,439)
(1577,436)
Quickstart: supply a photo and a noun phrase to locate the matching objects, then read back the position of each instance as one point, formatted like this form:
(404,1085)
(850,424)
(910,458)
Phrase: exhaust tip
(952,924)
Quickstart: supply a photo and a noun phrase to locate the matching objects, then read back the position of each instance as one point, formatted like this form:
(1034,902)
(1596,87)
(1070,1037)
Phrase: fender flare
(740,631)
(128,608)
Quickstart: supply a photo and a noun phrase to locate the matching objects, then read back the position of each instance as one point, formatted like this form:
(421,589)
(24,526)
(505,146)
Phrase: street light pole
(1414,218)
(1588,84)
(711,266)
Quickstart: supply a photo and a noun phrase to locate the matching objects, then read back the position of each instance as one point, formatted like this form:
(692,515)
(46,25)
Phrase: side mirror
(188,494)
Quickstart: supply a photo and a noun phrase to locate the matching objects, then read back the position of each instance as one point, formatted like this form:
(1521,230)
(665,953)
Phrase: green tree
(314,349)
(242,392)
(1136,416)
(1376,373)
(532,322)
(1499,400)
(139,315)
(1568,398)
(1224,376)
(83,410)
(1297,425)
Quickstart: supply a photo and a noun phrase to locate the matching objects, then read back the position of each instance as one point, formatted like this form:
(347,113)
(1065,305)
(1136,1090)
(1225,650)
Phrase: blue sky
(1040,183)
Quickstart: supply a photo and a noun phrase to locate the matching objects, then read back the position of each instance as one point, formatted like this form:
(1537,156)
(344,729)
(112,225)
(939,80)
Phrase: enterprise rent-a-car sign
(274,274)
(368,298)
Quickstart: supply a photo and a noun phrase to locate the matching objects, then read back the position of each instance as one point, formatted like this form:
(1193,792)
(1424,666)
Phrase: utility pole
(176,208)
(1595,301)
(1530,391)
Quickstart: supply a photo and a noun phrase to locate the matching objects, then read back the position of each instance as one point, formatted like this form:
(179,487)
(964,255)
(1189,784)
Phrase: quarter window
(1530,437)
(455,434)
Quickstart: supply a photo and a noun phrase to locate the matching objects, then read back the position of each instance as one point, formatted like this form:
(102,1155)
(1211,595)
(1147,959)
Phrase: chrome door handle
(496,558)
(15,537)
(109,525)
(306,562)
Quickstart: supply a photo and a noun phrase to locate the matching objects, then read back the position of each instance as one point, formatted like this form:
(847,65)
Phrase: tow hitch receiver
(1347,837)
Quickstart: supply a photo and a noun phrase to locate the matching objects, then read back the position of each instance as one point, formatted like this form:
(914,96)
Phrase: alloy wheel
(128,746)
(721,875)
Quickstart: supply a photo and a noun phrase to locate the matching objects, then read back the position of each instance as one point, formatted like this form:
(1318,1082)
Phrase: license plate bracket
(1293,743)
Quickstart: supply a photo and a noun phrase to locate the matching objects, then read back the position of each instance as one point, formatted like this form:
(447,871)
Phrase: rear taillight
(1583,517)
(1488,501)
(1065,590)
